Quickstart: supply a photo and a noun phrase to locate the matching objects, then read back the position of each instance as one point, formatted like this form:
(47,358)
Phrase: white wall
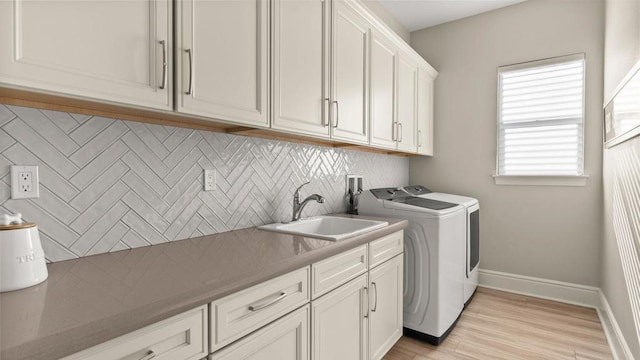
(388,19)
(547,232)
(622,52)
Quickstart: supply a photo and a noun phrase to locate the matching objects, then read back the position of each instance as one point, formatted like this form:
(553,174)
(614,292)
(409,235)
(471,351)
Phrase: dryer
(433,259)
(472,226)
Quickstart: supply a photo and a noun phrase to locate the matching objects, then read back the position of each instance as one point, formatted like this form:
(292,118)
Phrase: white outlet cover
(209,180)
(16,181)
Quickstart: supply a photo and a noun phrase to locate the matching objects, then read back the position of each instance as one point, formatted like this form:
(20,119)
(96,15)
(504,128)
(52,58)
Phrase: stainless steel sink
(326,227)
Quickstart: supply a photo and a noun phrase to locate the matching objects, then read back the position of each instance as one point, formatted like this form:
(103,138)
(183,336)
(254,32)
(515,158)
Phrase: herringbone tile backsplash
(108,185)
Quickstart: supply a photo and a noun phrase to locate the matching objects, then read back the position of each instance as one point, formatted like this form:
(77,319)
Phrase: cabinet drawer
(284,339)
(330,273)
(240,313)
(183,336)
(385,248)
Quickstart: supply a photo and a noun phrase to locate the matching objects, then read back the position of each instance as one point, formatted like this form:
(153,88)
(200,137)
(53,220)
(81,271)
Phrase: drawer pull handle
(269,303)
(149,355)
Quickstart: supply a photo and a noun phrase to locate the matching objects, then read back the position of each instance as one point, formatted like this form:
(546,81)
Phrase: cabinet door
(285,339)
(385,322)
(425,112)
(300,66)
(349,74)
(222,59)
(339,323)
(105,50)
(383,76)
(406,102)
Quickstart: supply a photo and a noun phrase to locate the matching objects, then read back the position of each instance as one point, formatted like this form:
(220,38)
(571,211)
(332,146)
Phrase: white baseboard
(616,340)
(569,293)
(582,295)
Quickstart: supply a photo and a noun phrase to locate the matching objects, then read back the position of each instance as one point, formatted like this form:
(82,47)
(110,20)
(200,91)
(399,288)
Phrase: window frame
(578,179)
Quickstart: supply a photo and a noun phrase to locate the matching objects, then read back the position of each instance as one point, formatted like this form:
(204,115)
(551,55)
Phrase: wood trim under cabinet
(18,97)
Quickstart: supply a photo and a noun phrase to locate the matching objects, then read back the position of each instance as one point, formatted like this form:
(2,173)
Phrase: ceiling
(420,14)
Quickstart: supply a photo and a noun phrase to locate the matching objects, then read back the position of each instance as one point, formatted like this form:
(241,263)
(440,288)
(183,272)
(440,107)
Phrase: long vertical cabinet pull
(375,296)
(400,132)
(337,112)
(326,119)
(165,64)
(189,88)
(366,291)
(419,138)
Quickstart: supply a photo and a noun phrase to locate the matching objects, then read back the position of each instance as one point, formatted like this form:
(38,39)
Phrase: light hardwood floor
(500,325)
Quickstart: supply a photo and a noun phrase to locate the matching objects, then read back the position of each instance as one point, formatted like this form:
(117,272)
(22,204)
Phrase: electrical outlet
(354,183)
(209,180)
(24,182)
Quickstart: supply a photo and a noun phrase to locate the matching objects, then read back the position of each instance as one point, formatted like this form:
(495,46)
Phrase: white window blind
(541,117)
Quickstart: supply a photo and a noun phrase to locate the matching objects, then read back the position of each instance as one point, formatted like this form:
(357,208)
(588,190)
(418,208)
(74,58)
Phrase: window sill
(540,180)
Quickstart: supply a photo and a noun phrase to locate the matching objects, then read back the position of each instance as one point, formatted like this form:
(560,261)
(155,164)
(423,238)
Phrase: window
(541,118)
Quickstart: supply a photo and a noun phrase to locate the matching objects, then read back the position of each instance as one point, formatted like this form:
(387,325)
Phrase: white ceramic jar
(22,262)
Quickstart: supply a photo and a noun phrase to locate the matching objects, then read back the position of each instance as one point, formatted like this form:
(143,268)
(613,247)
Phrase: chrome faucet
(298,206)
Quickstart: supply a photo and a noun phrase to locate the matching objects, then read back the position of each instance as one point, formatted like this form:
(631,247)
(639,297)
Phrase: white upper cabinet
(383,78)
(301,66)
(116,51)
(406,101)
(426,78)
(349,74)
(320,69)
(222,60)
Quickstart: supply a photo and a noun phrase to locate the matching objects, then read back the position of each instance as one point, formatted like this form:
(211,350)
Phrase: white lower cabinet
(361,319)
(346,307)
(183,337)
(385,319)
(284,339)
(339,322)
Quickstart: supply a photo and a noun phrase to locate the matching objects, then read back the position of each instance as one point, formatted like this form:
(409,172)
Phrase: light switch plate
(25,183)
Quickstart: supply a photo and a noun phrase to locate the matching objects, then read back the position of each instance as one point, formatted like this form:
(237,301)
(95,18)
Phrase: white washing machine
(472,210)
(433,259)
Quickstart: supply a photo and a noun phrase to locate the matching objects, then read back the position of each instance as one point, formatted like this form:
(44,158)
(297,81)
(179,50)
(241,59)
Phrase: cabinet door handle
(400,132)
(393,131)
(366,290)
(268,303)
(148,356)
(419,138)
(165,65)
(188,92)
(327,113)
(375,296)
(337,113)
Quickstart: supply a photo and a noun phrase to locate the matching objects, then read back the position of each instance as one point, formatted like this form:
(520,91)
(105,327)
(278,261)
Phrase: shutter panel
(541,111)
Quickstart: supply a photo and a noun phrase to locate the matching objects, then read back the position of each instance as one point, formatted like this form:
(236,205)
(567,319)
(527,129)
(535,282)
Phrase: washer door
(417,262)
(473,238)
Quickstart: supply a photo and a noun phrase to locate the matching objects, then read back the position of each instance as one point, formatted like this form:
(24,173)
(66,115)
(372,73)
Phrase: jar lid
(17,226)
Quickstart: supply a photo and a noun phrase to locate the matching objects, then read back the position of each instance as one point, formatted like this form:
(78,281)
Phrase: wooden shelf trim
(10,96)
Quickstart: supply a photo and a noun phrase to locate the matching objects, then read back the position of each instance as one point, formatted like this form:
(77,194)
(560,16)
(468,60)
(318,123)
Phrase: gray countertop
(90,300)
